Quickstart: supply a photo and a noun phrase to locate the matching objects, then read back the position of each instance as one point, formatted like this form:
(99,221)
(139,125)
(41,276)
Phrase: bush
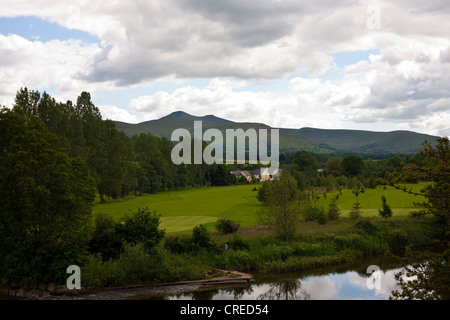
(333,211)
(322,217)
(226,226)
(366,226)
(178,244)
(386,210)
(142,226)
(105,239)
(238,243)
(201,238)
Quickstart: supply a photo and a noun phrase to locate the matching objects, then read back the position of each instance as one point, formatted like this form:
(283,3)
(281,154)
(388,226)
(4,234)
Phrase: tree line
(120,165)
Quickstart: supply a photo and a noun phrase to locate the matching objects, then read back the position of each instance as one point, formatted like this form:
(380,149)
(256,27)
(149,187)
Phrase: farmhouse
(245,174)
(261,174)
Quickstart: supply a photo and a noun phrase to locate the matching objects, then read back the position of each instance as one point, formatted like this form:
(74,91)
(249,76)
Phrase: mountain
(324,141)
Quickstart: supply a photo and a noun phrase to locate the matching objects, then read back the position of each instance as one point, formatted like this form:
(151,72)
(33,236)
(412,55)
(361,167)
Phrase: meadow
(181,210)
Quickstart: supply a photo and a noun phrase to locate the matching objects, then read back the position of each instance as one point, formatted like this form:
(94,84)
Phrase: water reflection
(286,290)
(332,286)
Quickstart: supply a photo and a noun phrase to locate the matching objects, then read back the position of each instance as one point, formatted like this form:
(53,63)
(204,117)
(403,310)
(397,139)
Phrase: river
(346,282)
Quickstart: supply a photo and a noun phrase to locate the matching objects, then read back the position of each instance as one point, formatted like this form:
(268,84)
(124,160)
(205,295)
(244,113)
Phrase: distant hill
(323,141)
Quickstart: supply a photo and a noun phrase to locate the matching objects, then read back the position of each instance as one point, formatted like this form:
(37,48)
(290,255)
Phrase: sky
(370,65)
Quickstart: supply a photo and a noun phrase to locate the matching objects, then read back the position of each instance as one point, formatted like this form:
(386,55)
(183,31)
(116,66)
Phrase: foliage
(263,191)
(425,280)
(201,238)
(135,266)
(366,226)
(226,226)
(435,167)
(352,165)
(356,212)
(238,243)
(142,226)
(333,210)
(45,203)
(106,240)
(322,217)
(281,209)
(178,244)
(386,210)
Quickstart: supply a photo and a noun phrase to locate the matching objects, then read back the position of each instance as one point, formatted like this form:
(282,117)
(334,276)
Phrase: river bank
(216,279)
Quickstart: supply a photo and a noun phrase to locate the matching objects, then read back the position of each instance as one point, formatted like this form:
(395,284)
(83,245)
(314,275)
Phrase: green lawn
(370,201)
(182,210)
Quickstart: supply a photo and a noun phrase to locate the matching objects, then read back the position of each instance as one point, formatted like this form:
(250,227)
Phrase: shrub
(238,243)
(321,216)
(142,226)
(226,226)
(201,238)
(333,211)
(105,239)
(386,210)
(366,226)
(178,244)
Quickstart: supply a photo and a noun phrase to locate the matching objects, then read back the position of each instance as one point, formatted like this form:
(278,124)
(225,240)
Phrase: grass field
(182,210)
(370,201)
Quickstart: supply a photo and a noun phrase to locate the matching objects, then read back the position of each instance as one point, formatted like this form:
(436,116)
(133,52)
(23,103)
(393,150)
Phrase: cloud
(245,42)
(40,65)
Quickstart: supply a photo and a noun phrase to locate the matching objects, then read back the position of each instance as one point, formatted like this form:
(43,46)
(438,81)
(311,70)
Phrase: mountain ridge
(316,140)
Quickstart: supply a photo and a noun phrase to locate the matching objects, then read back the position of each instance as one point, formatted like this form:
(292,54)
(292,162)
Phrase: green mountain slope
(322,141)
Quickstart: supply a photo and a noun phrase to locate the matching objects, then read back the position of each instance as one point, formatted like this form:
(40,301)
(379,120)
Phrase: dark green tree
(352,165)
(385,210)
(142,226)
(45,201)
(333,210)
(106,239)
(356,211)
(433,276)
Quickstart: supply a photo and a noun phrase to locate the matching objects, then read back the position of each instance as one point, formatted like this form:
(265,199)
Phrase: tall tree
(435,168)
(45,201)
(281,209)
(352,165)
(433,277)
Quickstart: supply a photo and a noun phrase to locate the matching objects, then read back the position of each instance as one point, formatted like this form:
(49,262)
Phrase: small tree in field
(356,211)
(333,210)
(386,210)
(281,209)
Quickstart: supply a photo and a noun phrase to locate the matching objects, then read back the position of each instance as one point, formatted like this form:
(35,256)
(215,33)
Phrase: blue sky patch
(36,29)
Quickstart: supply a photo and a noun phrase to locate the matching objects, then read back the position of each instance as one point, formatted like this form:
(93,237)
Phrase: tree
(281,210)
(356,211)
(201,238)
(432,279)
(45,202)
(433,276)
(105,239)
(142,226)
(352,165)
(386,210)
(434,167)
(307,163)
(263,191)
(334,166)
(333,210)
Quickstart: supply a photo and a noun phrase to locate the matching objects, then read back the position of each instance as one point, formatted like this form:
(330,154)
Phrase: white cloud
(145,41)
(39,65)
